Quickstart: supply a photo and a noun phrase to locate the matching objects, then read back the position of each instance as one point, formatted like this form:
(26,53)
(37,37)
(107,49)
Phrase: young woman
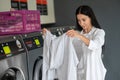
(90,41)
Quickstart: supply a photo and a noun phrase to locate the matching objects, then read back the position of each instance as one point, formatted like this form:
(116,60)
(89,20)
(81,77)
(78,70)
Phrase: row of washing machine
(21,55)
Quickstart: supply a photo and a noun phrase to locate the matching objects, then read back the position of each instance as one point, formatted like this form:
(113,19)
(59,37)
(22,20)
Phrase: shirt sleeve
(98,40)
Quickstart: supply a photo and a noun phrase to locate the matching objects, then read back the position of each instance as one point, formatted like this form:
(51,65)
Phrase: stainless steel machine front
(13,64)
(34,45)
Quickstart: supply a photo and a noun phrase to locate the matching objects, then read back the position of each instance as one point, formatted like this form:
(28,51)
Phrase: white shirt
(59,58)
(90,62)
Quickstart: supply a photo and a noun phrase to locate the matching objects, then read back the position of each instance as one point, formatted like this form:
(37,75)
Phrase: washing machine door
(38,70)
(12,74)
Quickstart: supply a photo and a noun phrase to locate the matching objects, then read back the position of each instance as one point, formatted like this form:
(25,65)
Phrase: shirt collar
(91,31)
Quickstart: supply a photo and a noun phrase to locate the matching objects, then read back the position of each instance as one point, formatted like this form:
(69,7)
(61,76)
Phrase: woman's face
(85,22)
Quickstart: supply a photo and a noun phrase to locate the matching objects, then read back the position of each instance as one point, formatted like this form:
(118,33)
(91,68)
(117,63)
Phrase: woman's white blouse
(90,65)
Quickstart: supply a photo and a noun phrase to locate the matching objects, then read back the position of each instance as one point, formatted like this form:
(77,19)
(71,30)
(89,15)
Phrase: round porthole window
(12,74)
(37,74)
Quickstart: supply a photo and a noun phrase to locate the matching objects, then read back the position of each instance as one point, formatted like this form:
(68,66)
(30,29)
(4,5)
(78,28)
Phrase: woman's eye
(83,20)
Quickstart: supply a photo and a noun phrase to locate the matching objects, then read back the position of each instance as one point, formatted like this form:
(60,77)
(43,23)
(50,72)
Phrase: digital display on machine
(37,42)
(7,50)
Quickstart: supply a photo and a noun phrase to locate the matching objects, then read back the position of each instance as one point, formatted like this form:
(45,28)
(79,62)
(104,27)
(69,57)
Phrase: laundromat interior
(21,53)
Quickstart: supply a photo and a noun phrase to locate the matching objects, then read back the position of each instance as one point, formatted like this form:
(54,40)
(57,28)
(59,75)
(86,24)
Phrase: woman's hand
(72,33)
(44,30)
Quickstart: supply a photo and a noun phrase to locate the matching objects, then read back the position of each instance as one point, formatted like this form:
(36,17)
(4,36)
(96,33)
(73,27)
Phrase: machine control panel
(60,30)
(11,48)
(33,42)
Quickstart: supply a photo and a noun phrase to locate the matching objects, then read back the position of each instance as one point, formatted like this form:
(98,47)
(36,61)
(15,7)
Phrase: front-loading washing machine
(13,62)
(34,45)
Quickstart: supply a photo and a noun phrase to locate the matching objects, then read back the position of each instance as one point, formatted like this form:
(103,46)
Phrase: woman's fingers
(44,30)
(70,33)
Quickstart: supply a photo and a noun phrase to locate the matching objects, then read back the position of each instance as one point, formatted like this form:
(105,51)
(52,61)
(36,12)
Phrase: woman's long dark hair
(86,10)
